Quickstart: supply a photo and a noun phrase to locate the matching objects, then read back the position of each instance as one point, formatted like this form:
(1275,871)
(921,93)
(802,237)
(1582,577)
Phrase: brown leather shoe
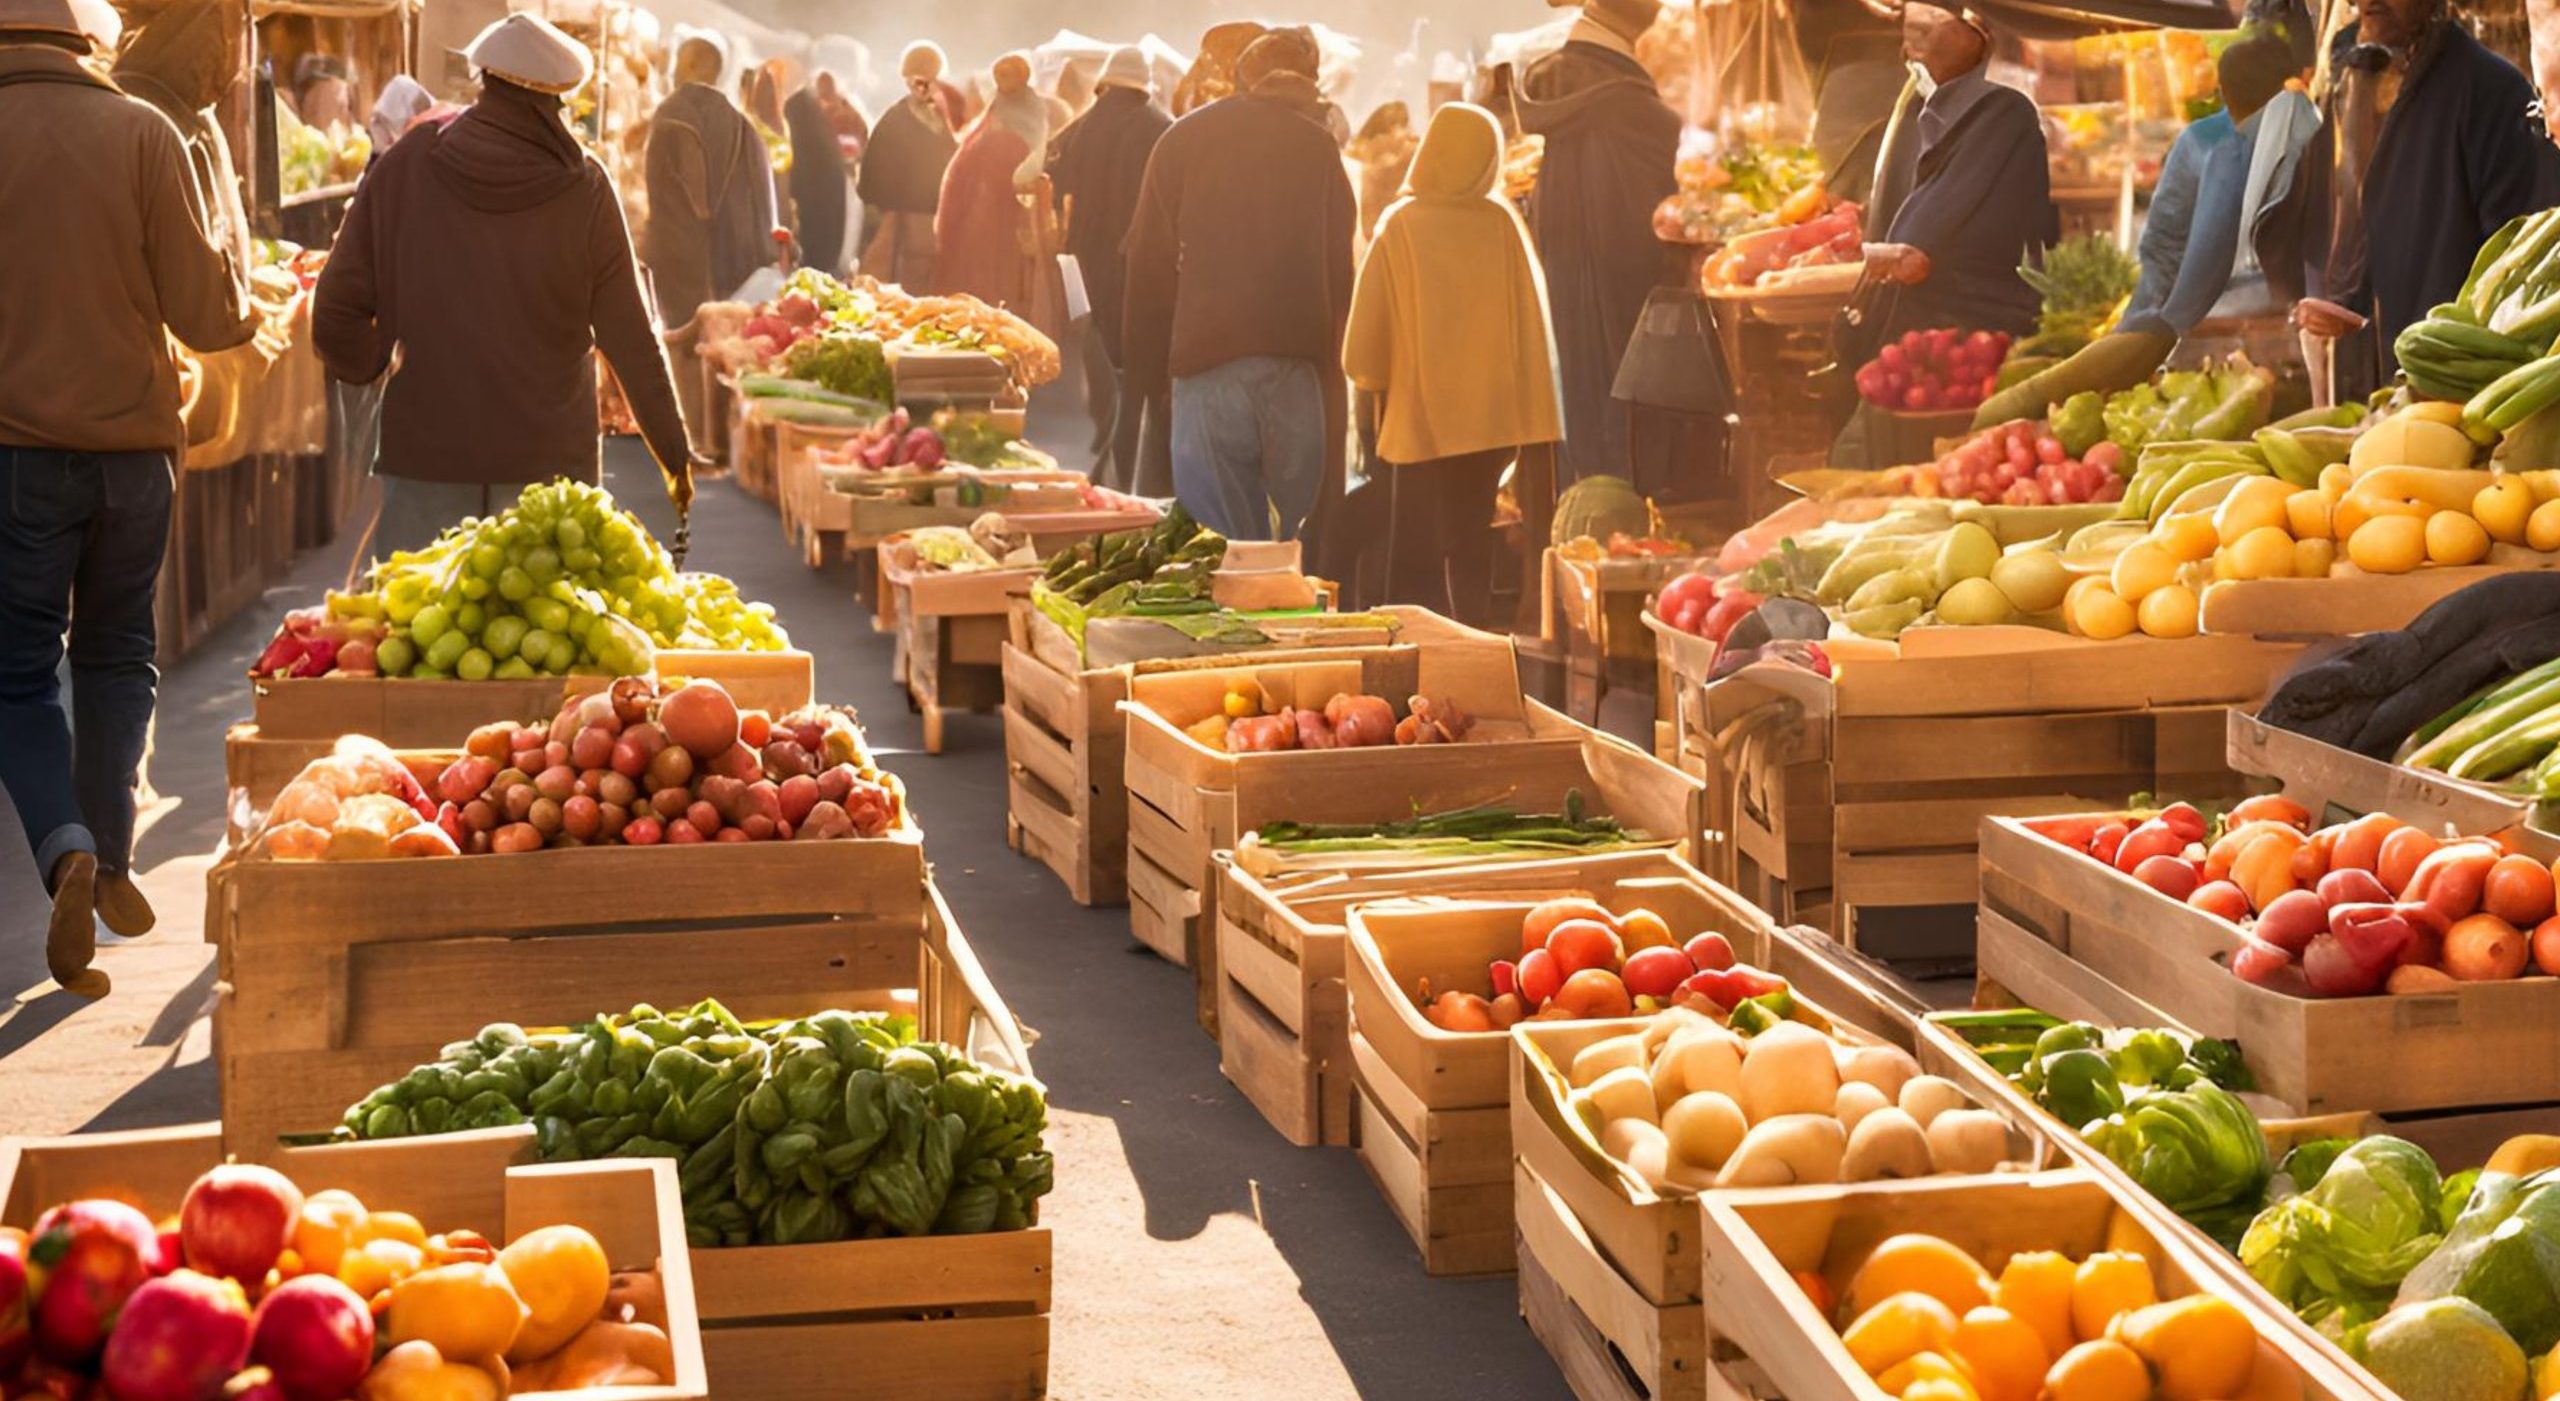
(71,938)
(122,906)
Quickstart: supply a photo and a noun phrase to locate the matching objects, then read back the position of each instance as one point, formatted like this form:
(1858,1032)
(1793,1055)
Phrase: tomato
(1577,944)
(1539,977)
(2519,891)
(2401,852)
(2183,819)
(1595,992)
(1892,357)
(1730,987)
(1657,972)
(1542,920)
(1683,591)
(1717,623)
(1915,397)
(1709,950)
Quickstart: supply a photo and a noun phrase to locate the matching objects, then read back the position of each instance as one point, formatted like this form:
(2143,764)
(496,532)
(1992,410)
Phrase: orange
(327,1229)
(2202,1347)
(2107,1284)
(1924,1264)
(2006,1356)
(2035,1287)
(1643,929)
(561,1274)
(1925,1366)
(1897,1328)
(377,1265)
(467,1311)
(2098,1371)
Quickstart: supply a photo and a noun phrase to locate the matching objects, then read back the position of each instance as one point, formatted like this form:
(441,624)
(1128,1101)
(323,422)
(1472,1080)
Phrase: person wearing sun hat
(482,264)
(103,256)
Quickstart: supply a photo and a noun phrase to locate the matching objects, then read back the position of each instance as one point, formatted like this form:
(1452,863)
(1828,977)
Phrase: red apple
(237,1219)
(255,1384)
(178,1339)
(93,1255)
(1657,972)
(316,1336)
(15,1341)
(1709,950)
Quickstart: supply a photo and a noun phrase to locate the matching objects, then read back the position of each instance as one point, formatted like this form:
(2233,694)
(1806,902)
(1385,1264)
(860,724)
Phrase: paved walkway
(1197,1253)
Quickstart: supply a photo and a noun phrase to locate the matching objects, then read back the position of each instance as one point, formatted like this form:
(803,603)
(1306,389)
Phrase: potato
(1857,1100)
(1708,1059)
(1968,1140)
(1888,1068)
(1788,1149)
(1704,1129)
(1925,1097)
(1624,1093)
(1620,1138)
(1788,1069)
(1886,1144)
(1601,1057)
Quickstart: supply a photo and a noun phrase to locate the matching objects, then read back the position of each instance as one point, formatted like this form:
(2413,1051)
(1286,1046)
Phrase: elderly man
(2430,144)
(1100,160)
(104,255)
(1238,285)
(901,180)
(711,204)
(483,263)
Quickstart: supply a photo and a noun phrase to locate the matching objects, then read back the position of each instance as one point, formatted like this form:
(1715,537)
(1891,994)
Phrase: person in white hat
(487,256)
(1100,161)
(103,256)
(901,178)
(711,198)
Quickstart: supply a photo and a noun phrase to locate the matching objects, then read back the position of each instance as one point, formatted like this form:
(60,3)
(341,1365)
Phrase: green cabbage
(2504,1255)
(2199,1150)
(2343,1246)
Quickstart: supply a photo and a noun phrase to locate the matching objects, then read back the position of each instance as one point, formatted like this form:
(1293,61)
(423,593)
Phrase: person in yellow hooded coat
(1449,333)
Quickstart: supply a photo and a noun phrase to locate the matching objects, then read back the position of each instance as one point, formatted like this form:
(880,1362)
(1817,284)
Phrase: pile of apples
(1703,606)
(255,1293)
(2355,908)
(1934,371)
(894,440)
(781,324)
(1578,962)
(2022,463)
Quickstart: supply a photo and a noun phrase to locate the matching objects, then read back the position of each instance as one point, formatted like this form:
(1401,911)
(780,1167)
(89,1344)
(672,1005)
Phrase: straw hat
(531,52)
(1127,68)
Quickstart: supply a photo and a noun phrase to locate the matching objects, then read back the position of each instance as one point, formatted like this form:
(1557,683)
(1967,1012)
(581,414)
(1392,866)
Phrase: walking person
(710,185)
(901,178)
(104,254)
(817,179)
(1100,162)
(1238,285)
(1448,337)
(482,265)
(982,230)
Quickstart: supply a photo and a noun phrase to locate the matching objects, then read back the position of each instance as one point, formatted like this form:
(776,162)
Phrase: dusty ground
(1197,1253)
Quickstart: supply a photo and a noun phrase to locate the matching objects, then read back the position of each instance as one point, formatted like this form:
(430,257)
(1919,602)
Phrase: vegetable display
(1578,960)
(843,361)
(249,1290)
(2489,349)
(813,305)
(1932,371)
(827,1127)
(1751,1099)
(2224,401)
(1749,187)
(1461,834)
(631,766)
(2504,733)
(1153,572)
(1245,725)
(2373,694)
(563,581)
(2024,463)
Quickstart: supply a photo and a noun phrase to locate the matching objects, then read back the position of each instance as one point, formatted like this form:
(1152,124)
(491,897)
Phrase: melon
(1599,507)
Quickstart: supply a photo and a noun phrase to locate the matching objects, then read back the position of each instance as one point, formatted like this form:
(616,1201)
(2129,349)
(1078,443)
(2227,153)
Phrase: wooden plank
(1265,1059)
(1459,1230)
(1156,918)
(926,1359)
(1979,671)
(1634,1347)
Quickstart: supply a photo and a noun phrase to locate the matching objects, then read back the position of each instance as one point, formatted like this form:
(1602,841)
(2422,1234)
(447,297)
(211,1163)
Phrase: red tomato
(1657,972)
(1730,987)
(1539,977)
(1595,992)
(1709,950)
(1681,592)
(1577,944)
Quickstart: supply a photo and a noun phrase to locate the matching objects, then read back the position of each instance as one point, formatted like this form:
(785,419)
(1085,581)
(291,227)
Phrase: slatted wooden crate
(1283,1019)
(951,630)
(754,446)
(482,1182)
(1066,744)
(1598,607)
(429,714)
(340,976)
(1888,769)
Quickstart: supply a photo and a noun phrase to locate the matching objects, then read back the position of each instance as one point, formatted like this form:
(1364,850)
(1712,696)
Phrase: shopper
(1238,284)
(2431,143)
(901,178)
(1212,74)
(710,185)
(817,180)
(1101,160)
(982,231)
(1610,148)
(103,256)
(483,264)
(181,62)
(1966,195)
(1449,333)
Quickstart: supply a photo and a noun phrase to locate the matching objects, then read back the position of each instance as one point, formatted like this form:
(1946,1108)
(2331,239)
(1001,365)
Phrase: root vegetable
(1704,1128)
(1601,1057)
(1926,1097)
(1709,1058)
(1886,1144)
(1621,1138)
(1967,1140)
(1788,1070)
(1857,1100)
(1787,1149)
(1888,1068)
(1623,1093)
(2484,949)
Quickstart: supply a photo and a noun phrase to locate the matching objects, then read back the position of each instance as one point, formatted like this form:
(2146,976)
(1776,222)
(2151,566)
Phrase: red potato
(2152,838)
(2485,949)
(2518,890)
(2173,876)
(2348,885)
(2257,961)
(2222,900)
(2292,921)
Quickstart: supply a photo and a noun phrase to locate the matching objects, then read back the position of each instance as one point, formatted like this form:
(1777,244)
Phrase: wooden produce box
(1066,746)
(1283,1013)
(2058,927)
(1767,1334)
(2343,605)
(754,450)
(810,511)
(340,976)
(951,631)
(407,714)
(1891,767)
(484,1182)
(1598,608)
(2327,779)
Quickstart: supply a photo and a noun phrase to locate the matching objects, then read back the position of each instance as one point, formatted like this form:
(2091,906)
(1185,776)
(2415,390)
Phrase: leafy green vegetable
(847,362)
(2341,1248)
(2504,1255)
(2199,1150)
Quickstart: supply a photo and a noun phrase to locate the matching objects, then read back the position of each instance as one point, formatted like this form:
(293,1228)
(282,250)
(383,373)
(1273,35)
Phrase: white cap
(531,52)
(1127,68)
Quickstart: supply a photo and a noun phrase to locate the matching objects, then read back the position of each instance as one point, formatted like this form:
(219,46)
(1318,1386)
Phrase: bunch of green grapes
(561,582)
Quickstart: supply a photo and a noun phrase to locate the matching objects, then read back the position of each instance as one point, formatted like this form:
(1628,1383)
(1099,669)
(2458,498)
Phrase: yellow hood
(1460,156)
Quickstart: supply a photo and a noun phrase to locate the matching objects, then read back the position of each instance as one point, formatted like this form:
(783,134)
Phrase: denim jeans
(81,538)
(1248,443)
(1141,460)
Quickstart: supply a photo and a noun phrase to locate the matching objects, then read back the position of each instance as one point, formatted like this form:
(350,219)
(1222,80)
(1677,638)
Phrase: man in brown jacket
(103,255)
(1239,282)
(711,201)
(481,263)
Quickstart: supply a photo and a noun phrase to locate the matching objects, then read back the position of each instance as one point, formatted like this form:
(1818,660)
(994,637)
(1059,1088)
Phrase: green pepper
(2080,1087)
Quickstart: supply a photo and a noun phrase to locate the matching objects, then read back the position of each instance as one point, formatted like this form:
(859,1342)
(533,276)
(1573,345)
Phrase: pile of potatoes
(1688,1104)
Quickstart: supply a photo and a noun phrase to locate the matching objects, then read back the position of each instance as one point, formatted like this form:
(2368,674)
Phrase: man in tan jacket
(103,256)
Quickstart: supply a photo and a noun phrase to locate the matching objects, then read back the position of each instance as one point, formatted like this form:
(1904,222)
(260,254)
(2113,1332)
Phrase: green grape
(514,585)
(514,669)
(543,563)
(548,614)
(430,625)
(504,633)
(563,653)
(396,655)
(475,588)
(570,535)
(533,646)
(446,650)
(475,665)
(487,559)
(424,672)
(471,618)
(561,589)
(580,623)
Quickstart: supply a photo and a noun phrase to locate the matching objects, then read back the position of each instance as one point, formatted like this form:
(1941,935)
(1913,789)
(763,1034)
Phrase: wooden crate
(810,510)
(2120,943)
(1283,1011)
(1611,1343)
(479,1181)
(951,631)
(2348,604)
(337,977)
(438,714)
(1756,1240)
(1599,618)
(753,445)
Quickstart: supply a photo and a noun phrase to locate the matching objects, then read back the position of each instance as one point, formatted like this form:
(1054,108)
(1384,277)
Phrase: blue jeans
(1248,443)
(81,538)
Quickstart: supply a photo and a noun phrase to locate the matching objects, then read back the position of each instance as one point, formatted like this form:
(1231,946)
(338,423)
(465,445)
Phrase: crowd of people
(1248,319)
